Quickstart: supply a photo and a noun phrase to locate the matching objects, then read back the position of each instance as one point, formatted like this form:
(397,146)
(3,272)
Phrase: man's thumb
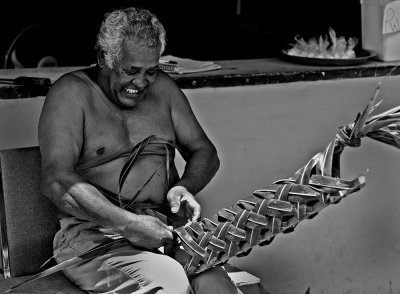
(175,206)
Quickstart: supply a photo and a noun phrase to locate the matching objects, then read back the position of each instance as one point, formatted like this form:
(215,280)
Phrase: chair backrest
(28,219)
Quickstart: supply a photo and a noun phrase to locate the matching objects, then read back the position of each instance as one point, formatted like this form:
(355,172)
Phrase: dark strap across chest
(148,146)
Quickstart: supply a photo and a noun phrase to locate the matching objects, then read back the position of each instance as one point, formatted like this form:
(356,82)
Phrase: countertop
(232,73)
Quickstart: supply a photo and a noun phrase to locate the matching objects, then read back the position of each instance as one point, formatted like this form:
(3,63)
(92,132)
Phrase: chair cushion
(30,220)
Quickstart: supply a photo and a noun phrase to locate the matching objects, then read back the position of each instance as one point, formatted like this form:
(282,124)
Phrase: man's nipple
(100,151)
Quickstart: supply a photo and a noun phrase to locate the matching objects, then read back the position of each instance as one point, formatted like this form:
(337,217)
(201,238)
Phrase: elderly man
(107,136)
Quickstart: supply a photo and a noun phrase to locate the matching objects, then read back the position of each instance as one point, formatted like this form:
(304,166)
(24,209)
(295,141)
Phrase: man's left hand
(183,203)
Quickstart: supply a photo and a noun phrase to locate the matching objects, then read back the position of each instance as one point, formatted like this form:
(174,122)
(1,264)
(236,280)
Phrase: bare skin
(77,132)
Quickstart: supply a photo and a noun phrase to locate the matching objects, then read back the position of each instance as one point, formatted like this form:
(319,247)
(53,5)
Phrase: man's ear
(101,61)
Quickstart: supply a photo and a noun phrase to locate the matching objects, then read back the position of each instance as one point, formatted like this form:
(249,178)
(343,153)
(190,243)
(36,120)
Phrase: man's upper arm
(61,125)
(190,134)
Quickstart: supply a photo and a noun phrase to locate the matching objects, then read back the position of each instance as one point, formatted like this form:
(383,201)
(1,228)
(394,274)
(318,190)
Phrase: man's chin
(129,100)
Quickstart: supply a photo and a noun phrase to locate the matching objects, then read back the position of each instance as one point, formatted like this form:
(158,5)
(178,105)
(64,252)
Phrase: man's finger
(170,236)
(175,203)
(168,231)
(196,214)
(194,207)
(165,226)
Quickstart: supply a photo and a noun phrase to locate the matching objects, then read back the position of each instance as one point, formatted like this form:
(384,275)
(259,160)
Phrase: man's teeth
(131,91)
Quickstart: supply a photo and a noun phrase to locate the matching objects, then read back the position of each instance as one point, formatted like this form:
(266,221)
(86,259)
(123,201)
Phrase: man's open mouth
(131,91)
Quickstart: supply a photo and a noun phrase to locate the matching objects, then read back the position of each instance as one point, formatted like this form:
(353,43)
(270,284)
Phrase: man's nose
(139,82)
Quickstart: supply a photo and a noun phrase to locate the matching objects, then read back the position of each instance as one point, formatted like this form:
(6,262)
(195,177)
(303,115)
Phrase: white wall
(265,133)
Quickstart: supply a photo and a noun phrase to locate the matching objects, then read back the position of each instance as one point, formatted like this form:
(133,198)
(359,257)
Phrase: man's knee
(214,280)
(169,275)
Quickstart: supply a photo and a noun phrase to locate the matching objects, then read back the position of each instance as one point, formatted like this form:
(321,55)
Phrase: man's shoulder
(73,79)
(164,81)
(71,84)
(164,86)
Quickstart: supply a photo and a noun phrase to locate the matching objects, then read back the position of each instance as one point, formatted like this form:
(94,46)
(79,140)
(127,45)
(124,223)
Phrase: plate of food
(327,51)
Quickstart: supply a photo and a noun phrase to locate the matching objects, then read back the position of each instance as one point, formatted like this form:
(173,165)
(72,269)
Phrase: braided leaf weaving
(281,206)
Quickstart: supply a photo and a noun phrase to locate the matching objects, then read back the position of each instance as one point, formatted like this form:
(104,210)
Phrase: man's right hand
(149,232)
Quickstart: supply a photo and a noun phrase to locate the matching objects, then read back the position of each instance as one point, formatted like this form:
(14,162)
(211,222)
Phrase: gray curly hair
(137,23)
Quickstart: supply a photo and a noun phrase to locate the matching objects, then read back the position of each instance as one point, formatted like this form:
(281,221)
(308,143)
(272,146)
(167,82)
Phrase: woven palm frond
(281,206)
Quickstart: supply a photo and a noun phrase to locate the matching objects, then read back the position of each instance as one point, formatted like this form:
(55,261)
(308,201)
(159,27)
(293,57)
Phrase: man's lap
(127,269)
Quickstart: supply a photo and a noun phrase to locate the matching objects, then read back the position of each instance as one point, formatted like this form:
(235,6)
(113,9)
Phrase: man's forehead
(137,56)
(139,45)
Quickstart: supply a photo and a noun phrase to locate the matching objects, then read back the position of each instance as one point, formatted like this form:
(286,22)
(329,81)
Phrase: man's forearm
(78,198)
(83,200)
(200,168)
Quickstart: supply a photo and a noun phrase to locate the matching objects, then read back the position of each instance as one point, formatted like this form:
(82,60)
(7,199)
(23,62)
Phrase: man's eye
(152,71)
(130,72)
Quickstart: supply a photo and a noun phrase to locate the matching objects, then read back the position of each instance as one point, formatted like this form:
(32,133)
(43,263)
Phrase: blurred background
(203,30)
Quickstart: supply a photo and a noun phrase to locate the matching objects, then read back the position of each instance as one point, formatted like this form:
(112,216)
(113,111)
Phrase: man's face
(133,74)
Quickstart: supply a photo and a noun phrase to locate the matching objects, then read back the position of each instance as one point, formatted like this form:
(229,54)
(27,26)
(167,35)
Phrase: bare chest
(108,133)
